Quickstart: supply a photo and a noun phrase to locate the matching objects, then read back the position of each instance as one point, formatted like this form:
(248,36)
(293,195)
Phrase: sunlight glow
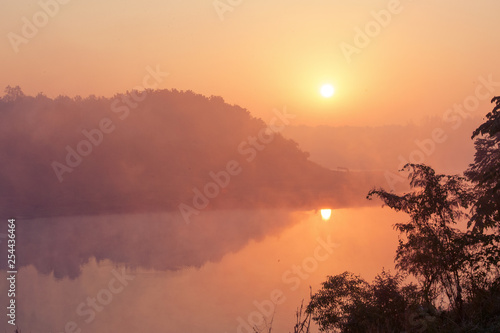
(326,214)
(327,90)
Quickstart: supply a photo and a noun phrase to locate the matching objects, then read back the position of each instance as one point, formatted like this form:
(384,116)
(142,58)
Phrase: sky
(261,55)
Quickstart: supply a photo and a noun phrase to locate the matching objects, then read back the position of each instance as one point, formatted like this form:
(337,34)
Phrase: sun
(327,90)
(326,214)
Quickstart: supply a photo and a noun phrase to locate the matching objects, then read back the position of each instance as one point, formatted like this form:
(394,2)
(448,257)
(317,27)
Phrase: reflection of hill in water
(159,241)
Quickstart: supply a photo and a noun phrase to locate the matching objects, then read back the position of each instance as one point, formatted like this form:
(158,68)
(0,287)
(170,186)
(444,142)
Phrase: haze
(119,114)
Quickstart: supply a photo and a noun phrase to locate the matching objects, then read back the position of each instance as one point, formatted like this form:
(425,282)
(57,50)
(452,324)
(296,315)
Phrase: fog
(60,246)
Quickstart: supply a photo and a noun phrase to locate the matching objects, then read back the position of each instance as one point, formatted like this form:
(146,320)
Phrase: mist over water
(162,241)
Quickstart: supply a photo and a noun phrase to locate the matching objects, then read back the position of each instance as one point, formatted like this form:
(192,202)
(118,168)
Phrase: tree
(347,303)
(432,249)
(12,94)
(340,303)
(393,301)
(303,320)
(484,173)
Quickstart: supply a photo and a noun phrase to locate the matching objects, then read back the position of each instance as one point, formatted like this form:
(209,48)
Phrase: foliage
(433,250)
(12,94)
(347,303)
(485,171)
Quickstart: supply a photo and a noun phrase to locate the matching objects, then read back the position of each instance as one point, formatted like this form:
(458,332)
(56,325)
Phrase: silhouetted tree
(303,320)
(347,303)
(12,94)
(341,303)
(485,171)
(432,249)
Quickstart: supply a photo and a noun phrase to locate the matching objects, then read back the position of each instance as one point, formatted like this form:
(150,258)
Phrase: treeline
(456,268)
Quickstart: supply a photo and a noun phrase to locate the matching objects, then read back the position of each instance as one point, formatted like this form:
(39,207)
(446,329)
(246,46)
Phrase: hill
(160,150)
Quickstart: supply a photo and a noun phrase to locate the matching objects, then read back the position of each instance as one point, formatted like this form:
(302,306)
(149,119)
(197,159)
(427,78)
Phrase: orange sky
(262,55)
